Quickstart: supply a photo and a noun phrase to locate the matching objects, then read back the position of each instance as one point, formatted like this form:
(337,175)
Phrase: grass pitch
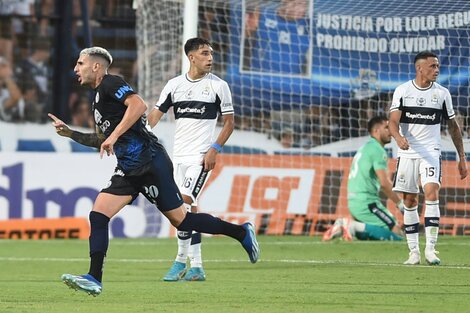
(295,274)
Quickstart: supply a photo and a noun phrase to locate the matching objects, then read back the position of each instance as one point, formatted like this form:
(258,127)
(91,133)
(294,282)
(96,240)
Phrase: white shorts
(411,171)
(190,179)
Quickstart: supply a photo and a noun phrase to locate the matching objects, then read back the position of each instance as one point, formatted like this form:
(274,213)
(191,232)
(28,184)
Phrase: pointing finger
(53,117)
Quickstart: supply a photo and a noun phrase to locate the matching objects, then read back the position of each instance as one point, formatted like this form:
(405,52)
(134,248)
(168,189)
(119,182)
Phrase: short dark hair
(379,119)
(194,44)
(423,55)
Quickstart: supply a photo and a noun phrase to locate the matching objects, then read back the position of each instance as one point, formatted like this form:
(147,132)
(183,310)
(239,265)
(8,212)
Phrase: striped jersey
(196,105)
(422,110)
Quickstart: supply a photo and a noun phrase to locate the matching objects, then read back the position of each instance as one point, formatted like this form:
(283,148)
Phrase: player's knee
(176,216)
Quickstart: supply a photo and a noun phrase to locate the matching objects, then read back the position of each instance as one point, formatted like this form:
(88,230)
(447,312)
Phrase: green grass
(295,274)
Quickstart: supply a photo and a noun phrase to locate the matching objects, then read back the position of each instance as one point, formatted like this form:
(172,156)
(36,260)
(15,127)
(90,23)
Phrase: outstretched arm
(456,135)
(88,139)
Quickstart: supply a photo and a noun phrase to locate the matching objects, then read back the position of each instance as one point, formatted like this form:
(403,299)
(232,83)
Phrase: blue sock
(208,224)
(373,232)
(99,241)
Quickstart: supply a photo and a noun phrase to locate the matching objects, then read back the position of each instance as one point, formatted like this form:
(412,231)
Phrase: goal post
(306,76)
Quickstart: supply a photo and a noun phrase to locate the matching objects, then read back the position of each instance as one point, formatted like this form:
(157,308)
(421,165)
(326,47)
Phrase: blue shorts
(154,180)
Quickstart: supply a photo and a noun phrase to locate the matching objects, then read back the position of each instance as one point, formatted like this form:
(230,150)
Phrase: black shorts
(155,181)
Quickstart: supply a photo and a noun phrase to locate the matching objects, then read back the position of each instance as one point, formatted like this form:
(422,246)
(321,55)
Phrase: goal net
(306,76)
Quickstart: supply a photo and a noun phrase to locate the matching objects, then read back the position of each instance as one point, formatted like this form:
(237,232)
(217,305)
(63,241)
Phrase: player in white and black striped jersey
(198,98)
(418,106)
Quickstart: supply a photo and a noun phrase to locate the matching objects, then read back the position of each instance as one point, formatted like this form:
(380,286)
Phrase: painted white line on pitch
(166,241)
(317,262)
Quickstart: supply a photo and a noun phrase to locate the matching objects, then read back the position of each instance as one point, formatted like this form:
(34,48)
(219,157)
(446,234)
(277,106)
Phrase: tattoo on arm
(89,139)
(456,135)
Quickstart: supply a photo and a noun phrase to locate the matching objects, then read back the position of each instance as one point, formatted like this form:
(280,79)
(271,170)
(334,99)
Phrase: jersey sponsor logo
(122,91)
(196,110)
(421,115)
(192,110)
(103,125)
(414,116)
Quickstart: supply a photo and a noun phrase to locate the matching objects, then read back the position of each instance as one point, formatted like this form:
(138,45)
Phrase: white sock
(195,255)
(183,246)
(411,221)
(431,223)
(356,226)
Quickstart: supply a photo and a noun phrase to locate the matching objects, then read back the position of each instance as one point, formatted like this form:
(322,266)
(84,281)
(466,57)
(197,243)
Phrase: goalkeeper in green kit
(371,220)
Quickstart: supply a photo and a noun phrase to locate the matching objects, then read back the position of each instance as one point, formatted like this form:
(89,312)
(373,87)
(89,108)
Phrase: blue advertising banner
(290,54)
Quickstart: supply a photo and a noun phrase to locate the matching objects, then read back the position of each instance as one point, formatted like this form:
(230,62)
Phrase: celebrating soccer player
(143,166)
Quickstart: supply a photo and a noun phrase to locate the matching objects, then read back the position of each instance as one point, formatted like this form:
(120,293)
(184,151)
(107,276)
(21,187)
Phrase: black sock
(208,224)
(195,238)
(99,241)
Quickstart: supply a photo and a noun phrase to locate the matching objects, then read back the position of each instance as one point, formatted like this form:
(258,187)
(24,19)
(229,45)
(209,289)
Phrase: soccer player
(142,166)
(197,98)
(415,121)
(367,176)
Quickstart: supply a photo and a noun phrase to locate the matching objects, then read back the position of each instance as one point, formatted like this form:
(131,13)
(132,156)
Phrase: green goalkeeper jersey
(363,183)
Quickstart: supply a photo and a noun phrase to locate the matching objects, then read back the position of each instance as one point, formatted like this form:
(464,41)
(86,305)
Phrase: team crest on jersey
(421,102)
(401,178)
(435,98)
(97,97)
(300,30)
(205,92)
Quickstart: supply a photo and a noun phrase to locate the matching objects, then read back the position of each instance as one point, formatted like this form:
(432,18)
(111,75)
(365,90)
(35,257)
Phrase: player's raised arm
(88,139)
